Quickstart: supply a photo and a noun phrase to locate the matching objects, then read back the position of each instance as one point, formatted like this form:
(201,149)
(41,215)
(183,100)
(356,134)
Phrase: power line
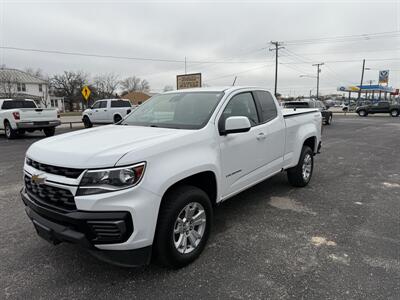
(345,38)
(350,60)
(123,57)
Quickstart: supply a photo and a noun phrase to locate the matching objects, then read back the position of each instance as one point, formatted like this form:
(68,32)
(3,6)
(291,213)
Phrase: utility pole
(362,78)
(318,71)
(276,49)
(185,64)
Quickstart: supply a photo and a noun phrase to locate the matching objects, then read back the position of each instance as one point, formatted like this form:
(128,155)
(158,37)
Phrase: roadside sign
(188,81)
(86,92)
(384,76)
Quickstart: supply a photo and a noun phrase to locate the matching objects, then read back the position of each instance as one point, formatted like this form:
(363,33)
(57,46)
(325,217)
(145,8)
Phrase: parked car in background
(147,186)
(327,115)
(106,111)
(379,107)
(20,116)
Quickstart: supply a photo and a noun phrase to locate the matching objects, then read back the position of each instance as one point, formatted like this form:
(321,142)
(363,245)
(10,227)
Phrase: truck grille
(67,172)
(50,195)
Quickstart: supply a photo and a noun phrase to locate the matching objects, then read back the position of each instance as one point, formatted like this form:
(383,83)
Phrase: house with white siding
(17,84)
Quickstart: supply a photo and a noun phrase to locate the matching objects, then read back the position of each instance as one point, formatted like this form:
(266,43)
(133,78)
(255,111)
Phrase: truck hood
(99,147)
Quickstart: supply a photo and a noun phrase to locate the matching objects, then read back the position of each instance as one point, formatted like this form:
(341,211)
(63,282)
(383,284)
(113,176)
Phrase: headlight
(110,180)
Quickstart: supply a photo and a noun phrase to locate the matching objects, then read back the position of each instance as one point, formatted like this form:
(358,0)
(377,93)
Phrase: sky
(220,39)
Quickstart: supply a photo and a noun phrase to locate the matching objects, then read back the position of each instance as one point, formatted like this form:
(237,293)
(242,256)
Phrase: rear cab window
(267,105)
(13,104)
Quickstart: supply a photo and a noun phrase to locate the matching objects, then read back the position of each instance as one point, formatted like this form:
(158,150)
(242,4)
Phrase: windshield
(18,104)
(190,110)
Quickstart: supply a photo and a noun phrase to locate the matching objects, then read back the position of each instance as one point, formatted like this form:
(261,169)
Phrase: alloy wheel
(189,227)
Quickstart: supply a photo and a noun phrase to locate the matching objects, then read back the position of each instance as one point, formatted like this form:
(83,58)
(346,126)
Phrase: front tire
(329,120)
(183,226)
(10,133)
(362,113)
(86,122)
(394,112)
(49,131)
(300,175)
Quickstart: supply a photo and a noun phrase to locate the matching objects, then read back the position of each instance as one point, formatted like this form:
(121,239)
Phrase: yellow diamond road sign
(86,92)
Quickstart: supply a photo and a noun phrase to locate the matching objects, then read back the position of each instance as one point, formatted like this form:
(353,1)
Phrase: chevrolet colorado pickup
(146,187)
(19,116)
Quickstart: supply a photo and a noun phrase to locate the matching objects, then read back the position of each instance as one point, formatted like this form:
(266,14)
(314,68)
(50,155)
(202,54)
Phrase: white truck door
(241,153)
(102,112)
(94,114)
(275,127)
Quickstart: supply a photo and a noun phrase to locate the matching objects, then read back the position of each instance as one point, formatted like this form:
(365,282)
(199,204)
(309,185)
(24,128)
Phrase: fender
(307,131)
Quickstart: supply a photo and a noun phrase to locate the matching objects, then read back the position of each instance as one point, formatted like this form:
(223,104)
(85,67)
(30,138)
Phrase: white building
(21,85)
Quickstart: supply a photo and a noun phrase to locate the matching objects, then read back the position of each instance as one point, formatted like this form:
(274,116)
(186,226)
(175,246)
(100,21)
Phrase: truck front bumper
(37,124)
(87,229)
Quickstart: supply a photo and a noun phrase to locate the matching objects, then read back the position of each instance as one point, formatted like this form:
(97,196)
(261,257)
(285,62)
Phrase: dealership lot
(337,238)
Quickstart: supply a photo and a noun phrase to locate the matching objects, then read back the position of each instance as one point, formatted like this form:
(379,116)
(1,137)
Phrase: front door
(242,154)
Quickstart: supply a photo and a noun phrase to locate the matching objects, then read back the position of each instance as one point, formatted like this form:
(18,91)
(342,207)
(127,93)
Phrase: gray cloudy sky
(220,39)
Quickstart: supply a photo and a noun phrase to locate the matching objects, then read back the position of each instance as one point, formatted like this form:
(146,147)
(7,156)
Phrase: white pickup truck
(19,116)
(106,111)
(146,187)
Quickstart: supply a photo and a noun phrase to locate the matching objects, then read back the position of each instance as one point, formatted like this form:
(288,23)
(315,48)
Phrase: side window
(268,107)
(103,104)
(96,105)
(120,103)
(241,105)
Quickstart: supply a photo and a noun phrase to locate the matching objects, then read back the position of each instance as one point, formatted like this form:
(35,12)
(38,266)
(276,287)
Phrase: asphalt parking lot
(338,238)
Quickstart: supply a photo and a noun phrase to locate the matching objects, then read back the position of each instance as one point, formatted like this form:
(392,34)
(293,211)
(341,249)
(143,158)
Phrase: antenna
(234,81)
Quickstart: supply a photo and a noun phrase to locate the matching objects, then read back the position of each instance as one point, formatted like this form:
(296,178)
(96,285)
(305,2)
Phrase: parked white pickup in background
(106,111)
(20,116)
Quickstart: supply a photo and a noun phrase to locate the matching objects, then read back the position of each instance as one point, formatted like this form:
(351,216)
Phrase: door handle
(261,136)
(105,110)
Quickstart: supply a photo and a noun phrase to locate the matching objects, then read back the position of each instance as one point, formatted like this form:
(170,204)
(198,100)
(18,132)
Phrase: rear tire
(117,118)
(86,122)
(300,175)
(10,133)
(394,112)
(49,131)
(183,226)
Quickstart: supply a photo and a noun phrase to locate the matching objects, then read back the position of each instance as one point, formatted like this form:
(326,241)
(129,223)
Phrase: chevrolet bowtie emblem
(37,179)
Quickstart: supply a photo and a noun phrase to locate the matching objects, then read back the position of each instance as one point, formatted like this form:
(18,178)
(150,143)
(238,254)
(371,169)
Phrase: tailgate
(37,114)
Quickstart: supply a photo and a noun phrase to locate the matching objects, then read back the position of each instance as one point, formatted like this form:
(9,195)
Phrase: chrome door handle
(261,136)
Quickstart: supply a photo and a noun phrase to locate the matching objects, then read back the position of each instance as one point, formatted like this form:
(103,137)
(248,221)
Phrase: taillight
(16,115)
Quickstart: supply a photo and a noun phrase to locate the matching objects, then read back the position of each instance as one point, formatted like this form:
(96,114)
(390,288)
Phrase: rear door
(274,125)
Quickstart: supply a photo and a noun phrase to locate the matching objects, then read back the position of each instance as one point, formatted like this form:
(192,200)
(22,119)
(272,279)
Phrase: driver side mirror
(236,125)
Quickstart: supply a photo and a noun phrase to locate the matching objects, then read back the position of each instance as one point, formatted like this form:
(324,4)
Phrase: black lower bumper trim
(79,227)
(125,258)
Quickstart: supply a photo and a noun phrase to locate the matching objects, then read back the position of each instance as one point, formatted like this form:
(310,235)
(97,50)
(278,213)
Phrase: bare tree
(168,88)
(8,85)
(134,84)
(144,86)
(69,85)
(36,72)
(106,85)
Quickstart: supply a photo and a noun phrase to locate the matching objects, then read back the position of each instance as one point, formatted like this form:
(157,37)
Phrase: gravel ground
(338,238)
